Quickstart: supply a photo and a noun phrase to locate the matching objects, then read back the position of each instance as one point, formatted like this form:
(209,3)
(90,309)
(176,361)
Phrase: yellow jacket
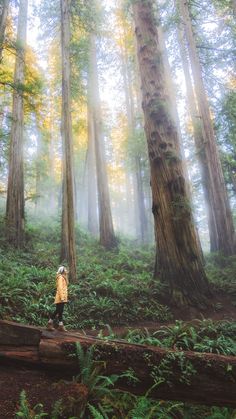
(62,289)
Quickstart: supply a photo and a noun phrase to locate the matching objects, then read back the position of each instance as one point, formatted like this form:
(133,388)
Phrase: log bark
(187,376)
(16,334)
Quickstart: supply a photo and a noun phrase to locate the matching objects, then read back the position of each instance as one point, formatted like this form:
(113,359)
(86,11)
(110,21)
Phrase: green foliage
(200,336)
(98,385)
(25,412)
(148,409)
(221,272)
(107,281)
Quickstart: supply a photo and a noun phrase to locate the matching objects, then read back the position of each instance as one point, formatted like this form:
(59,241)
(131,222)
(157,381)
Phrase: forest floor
(41,385)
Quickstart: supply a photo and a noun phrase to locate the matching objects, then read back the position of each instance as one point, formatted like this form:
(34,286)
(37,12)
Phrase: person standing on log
(61,299)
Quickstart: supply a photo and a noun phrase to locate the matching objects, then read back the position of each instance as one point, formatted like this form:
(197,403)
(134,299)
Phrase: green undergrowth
(221,271)
(92,395)
(114,287)
(124,406)
(199,335)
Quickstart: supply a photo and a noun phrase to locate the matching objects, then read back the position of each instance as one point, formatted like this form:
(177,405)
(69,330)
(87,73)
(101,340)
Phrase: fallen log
(28,354)
(171,375)
(17,334)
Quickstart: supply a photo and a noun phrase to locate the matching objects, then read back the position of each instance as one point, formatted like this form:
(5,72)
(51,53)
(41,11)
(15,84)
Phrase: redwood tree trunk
(141,210)
(15,189)
(218,199)
(199,141)
(3,20)
(107,235)
(68,229)
(92,187)
(179,261)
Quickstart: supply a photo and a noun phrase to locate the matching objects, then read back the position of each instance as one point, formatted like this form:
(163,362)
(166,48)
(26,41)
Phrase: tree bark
(187,376)
(141,210)
(68,216)
(92,187)
(15,190)
(178,256)
(220,214)
(107,235)
(198,140)
(3,20)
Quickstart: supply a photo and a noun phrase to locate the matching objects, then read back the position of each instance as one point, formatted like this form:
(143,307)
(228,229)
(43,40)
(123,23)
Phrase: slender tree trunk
(52,193)
(3,20)
(15,189)
(141,210)
(178,257)
(141,204)
(107,235)
(199,141)
(234,7)
(92,187)
(68,229)
(38,173)
(218,199)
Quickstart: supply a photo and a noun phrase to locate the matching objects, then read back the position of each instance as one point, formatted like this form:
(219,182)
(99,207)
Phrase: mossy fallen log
(165,374)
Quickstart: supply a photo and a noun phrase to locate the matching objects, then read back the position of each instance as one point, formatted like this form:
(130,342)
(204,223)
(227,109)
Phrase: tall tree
(107,235)
(129,100)
(220,214)
(92,189)
(178,256)
(68,229)
(15,189)
(127,57)
(198,138)
(3,20)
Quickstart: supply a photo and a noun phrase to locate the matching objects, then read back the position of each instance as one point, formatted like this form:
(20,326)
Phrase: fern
(96,414)
(25,412)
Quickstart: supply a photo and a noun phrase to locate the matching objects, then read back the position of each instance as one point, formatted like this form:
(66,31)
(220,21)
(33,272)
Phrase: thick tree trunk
(92,187)
(179,261)
(187,376)
(107,235)
(174,113)
(3,20)
(218,199)
(68,229)
(199,141)
(15,189)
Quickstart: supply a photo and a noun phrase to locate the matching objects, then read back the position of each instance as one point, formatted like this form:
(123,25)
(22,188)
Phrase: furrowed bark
(15,217)
(187,376)
(107,235)
(178,257)
(3,21)
(220,212)
(68,213)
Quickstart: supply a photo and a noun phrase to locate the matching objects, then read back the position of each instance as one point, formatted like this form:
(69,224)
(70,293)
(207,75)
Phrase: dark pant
(58,312)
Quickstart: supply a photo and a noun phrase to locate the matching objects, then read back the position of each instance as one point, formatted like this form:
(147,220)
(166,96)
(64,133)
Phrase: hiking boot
(61,328)
(50,327)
